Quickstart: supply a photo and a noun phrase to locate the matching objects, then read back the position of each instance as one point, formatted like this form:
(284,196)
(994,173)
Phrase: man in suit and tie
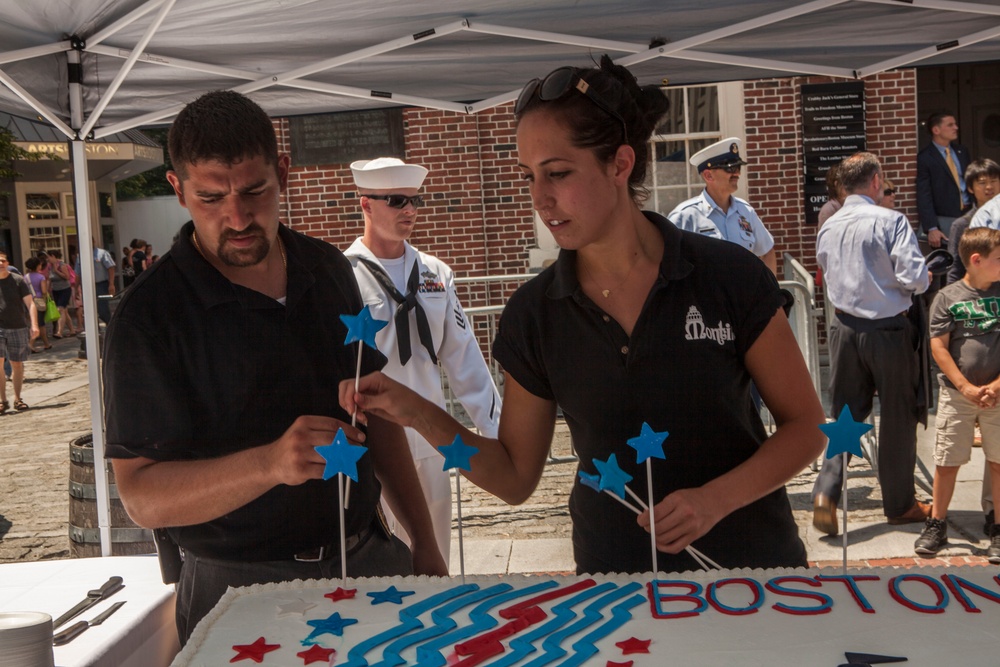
(941,192)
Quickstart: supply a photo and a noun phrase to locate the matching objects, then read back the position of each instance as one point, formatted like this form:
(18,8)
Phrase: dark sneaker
(993,552)
(988,525)
(934,537)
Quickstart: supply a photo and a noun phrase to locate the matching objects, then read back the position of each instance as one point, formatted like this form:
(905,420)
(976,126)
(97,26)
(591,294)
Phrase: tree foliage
(10,152)
(152,183)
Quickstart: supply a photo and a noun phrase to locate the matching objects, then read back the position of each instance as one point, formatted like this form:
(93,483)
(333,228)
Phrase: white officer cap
(723,153)
(387,173)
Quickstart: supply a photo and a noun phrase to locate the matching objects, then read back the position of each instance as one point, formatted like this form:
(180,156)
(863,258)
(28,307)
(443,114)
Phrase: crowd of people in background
(894,310)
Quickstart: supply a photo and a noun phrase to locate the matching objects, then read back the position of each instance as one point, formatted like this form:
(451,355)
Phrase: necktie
(954,173)
(405,305)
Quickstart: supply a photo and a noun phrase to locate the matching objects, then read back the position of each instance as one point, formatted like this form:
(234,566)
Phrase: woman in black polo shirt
(637,322)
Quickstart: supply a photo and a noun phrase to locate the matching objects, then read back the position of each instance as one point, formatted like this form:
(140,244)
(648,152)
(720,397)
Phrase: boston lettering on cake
(816,617)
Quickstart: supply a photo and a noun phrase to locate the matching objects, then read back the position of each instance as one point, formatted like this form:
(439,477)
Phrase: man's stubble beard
(241,258)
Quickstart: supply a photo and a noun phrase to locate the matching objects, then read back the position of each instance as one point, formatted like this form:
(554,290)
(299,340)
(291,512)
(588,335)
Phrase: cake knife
(75,630)
(110,587)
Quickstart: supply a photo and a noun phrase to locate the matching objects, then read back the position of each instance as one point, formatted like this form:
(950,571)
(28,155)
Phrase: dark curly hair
(591,127)
(222,125)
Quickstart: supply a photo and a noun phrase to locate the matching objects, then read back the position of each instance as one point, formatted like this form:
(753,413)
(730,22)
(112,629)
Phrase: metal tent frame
(174,49)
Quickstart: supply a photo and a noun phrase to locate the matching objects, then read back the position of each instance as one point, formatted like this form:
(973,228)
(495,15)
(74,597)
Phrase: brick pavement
(34,514)
(34,457)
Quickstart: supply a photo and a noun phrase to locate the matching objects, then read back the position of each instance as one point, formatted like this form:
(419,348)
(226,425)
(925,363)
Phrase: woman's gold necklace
(281,250)
(607,292)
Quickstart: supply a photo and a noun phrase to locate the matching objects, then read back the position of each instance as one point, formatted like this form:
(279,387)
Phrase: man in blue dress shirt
(716,212)
(872,267)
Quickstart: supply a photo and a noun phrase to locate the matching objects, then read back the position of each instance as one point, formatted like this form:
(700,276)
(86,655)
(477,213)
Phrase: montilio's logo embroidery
(695,329)
(430,283)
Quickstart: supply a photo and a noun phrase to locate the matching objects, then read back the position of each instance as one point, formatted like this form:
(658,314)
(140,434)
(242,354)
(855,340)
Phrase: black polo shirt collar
(673,266)
(215,289)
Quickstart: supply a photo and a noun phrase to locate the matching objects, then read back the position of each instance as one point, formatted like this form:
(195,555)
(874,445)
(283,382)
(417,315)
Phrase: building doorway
(972,91)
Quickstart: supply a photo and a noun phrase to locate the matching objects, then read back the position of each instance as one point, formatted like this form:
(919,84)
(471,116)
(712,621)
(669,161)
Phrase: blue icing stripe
(586,648)
(408,621)
(429,654)
(563,613)
(591,615)
(442,623)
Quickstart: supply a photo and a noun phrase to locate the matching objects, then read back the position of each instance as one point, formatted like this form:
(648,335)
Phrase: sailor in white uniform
(716,212)
(415,293)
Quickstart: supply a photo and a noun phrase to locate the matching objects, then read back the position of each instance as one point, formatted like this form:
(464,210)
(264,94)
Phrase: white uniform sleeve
(468,375)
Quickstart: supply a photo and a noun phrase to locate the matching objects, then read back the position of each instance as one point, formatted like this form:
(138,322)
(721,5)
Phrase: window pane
(669,167)
(694,146)
(42,206)
(667,199)
(673,121)
(104,201)
(703,109)
(44,238)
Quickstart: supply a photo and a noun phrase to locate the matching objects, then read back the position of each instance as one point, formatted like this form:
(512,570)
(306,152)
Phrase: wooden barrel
(127,539)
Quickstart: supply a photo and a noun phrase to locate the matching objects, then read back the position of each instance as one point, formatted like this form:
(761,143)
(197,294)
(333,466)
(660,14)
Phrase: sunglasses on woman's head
(559,82)
(399,201)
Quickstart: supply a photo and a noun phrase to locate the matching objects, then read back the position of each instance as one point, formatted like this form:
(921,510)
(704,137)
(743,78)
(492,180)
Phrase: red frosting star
(341,594)
(633,645)
(253,651)
(619,664)
(316,653)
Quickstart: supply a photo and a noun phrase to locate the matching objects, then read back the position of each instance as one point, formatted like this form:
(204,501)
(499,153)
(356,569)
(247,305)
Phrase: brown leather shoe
(916,514)
(825,515)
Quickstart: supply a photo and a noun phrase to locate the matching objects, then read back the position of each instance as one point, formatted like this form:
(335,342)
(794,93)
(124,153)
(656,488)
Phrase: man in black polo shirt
(221,378)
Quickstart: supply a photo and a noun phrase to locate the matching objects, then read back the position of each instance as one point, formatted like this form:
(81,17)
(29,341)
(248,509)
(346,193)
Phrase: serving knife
(75,630)
(110,587)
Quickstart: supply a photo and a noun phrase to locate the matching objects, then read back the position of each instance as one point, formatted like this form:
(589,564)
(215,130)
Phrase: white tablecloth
(140,634)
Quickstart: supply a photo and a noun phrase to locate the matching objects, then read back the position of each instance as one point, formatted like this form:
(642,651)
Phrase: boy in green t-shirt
(965,342)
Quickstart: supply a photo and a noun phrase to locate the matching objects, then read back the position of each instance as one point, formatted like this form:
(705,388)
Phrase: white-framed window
(698,116)
(45,238)
(42,206)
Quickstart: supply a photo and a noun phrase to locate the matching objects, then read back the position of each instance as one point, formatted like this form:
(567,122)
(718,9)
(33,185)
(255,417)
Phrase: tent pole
(81,193)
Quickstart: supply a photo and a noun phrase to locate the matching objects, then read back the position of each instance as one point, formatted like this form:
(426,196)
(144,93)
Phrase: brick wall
(773,115)
(478,214)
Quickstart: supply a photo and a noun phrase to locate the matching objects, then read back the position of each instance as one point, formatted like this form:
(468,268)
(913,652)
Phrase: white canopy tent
(95,67)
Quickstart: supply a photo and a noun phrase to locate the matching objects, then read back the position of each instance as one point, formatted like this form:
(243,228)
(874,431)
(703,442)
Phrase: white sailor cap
(725,153)
(387,173)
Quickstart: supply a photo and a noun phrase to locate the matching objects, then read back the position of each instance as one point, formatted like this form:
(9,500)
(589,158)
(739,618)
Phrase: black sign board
(338,138)
(833,127)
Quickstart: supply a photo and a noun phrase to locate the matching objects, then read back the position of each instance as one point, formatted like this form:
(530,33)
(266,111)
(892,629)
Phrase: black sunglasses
(886,193)
(731,168)
(399,201)
(559,82)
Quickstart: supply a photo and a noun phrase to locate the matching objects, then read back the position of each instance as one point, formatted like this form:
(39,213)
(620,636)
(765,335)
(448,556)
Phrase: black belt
(331,551)
(838,311)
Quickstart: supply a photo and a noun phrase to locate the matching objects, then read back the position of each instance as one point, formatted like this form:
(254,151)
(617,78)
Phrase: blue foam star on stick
(341,456)
(648,444)
(457,454)
(844,434)
(613,478)
(593,481)
(333,625)
(362,327)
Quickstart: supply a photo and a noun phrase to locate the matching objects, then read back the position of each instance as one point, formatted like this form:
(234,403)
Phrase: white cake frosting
(931,616)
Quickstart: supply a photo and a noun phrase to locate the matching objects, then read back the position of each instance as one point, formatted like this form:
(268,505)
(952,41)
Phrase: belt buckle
(321,555)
